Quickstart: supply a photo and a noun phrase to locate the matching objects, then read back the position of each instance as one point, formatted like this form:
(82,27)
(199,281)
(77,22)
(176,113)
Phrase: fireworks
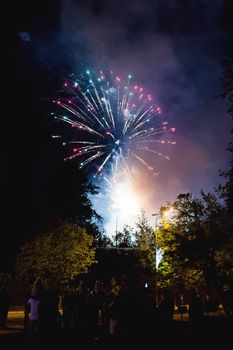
(114,128)
(113,122)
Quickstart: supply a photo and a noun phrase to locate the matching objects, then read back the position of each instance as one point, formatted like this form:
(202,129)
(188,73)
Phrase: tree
(227,93)
(116,255)
(57,256)
(225,257)
(5,279)
(67,197)
(197,242)
(192,239)
(124,239)
(173,273)
(145,241)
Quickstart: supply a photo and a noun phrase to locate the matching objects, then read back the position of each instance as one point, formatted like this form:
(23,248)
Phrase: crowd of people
(117,311)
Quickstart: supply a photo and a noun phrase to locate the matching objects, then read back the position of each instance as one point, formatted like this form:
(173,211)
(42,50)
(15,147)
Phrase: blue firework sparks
(114,122)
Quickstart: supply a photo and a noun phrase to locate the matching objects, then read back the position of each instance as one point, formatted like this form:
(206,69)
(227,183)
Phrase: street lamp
(156,289)
(167,213)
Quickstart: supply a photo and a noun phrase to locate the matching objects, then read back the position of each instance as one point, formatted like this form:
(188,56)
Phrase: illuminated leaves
(57,256)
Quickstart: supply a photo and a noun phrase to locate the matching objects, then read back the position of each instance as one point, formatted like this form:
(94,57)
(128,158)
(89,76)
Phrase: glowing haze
(175,51)
(125,203)
(115,129)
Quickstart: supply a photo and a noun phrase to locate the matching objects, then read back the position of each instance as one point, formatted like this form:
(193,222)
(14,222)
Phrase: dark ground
(212,332)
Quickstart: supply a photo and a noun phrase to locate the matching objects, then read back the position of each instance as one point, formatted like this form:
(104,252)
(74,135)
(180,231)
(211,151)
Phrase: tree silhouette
(56,256)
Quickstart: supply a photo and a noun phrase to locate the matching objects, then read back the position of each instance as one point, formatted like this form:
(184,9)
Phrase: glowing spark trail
(113,122)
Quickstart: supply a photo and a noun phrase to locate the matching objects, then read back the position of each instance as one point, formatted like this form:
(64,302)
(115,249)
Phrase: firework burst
(113,122)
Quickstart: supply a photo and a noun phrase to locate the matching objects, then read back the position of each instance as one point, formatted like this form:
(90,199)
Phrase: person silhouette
(166,307)
(165,314)
(195,313)
(38,290)
(4,306)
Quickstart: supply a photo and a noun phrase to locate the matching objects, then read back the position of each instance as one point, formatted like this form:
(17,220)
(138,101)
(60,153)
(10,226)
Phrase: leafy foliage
(5,278)
(57,256)
(124,239)
(192,240)
(227,93)
(68,195)
(145,241)
(197,241)
(172,273)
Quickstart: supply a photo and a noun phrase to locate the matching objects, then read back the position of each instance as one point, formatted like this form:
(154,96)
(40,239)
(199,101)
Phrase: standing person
(126,311)
(81,305)
(34,309)
(4,306)
(95,305)
(166,312)
(67,304)
(195,313)
(166,307)
(32,315)
(38,289)
(227,300)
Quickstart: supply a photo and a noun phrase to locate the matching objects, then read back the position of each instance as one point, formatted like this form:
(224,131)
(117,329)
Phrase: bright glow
(125,201)
(121,203)
(125,205)
(159,255)
(167,213)
(115,127)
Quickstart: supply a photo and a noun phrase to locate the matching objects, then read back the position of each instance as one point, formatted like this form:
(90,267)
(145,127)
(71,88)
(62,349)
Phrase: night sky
(173,48)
